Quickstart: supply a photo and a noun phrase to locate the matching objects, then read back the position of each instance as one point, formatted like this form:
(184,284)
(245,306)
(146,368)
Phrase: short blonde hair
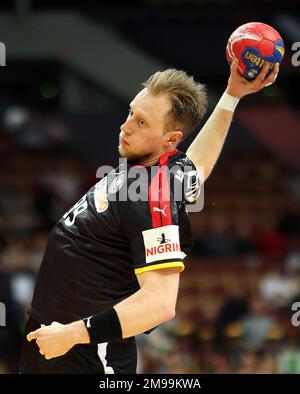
(188,98)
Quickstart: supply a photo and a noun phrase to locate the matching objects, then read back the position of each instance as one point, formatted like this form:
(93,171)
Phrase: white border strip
(102,352)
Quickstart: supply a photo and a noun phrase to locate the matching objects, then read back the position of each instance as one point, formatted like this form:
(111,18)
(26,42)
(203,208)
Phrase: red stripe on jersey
(154,200)
(163,160)
(164,192)
(159,194)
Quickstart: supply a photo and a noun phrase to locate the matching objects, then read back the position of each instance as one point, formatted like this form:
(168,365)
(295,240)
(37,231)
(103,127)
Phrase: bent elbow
(171,315)
(169,312)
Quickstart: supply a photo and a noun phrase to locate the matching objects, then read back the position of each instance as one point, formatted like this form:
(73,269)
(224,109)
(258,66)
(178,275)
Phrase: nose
(126,127)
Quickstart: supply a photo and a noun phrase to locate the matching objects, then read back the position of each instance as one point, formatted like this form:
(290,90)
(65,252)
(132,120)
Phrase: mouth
(123,142)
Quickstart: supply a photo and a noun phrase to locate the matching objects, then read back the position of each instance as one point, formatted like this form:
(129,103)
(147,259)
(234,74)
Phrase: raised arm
(206,147)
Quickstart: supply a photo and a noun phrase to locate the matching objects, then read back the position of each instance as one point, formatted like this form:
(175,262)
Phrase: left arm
(206,147)
(153,304)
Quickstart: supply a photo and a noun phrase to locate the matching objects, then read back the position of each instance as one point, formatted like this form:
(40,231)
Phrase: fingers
(272,77)
(262,75)
(35,334)
(38,336)
(32,335)
(46,355)
(266,81)
(42,350)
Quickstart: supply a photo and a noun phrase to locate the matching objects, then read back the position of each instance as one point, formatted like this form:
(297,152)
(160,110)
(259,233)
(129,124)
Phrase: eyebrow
(139,113)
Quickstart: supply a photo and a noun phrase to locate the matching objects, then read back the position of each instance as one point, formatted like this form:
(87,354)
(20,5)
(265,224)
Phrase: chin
(133,158)
(123,153)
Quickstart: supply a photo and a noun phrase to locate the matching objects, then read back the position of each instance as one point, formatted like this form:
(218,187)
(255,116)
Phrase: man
(111,267)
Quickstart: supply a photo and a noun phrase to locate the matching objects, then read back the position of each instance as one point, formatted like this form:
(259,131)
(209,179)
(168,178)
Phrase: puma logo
(155,209)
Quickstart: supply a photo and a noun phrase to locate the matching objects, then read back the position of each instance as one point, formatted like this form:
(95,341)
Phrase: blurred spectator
(215,245)
(234,308)
(276,288)
(292,261)
(256,325)
(289,357)
(11,334)
(247,361)
(22,285)
(271,243)
(64,181)
(42,131)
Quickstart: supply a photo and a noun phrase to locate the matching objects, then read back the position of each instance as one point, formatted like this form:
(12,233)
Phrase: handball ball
(253,44)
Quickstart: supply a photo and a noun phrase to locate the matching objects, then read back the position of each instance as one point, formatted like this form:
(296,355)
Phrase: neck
(150,161)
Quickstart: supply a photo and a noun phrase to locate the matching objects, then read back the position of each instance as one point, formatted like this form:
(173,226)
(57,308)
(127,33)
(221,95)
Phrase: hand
(54,340)
(238,86)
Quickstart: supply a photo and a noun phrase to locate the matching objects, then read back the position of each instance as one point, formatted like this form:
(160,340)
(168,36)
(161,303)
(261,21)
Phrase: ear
(173,138)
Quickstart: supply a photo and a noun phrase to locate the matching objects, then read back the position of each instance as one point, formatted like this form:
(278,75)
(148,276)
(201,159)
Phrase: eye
(141,122)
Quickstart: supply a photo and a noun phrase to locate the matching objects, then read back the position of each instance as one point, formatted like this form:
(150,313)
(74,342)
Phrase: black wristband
(103,326)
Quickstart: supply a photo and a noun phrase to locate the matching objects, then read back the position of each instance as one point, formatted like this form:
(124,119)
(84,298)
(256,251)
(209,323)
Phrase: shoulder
(185,176)
(182,160)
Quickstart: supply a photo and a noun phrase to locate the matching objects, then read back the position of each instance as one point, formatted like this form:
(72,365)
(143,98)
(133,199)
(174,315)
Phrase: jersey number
(70,216)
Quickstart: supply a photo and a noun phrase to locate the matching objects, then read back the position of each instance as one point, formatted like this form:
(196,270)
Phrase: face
(143,136)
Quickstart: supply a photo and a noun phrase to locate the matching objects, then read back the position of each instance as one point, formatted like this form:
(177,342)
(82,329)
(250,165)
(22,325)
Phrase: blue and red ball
(253,44)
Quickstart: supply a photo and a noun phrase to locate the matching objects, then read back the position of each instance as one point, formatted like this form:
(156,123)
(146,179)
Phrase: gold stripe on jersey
(160,266)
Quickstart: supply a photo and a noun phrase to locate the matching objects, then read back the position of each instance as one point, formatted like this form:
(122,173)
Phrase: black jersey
(98,247)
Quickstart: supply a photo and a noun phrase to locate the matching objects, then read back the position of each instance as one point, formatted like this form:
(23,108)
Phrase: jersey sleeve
(186,182)
(153,228)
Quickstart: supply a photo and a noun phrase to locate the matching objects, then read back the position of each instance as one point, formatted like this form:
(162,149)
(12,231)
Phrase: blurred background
(70,72)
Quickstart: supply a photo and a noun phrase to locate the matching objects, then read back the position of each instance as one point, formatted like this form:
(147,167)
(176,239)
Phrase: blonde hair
(188,98)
